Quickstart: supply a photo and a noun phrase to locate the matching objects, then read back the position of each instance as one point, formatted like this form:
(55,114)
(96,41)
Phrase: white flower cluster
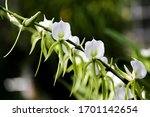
(94,77)
(94,49)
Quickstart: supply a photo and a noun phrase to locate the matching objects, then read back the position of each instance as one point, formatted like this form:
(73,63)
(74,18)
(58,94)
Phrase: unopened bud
(31,20)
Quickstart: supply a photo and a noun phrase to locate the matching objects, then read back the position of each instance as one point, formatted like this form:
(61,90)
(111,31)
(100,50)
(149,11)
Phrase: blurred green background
(88,18)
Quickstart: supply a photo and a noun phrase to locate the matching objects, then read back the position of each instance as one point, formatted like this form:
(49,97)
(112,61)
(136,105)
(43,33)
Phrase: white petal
(46,23)
(75,39)
(65,49)
(116,80)
(94,49)
(105,60)
(120,93)
(139,69)
(61,30)
(82,54)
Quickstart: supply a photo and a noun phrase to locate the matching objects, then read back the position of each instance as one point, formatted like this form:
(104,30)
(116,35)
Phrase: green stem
(108,68)
(12,13)
(22,18)
(76,46)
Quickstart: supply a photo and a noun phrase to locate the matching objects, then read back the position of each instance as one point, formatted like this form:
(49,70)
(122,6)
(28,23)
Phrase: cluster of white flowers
(94,49)
(87,63)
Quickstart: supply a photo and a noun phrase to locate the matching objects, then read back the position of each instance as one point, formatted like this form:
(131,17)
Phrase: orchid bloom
(61,30)
(94,49)
(139,70)
(46,23)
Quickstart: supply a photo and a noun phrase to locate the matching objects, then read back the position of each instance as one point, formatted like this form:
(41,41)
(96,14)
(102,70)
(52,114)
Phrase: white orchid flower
(139,70)
(46,23)
(61,30)
(94,49)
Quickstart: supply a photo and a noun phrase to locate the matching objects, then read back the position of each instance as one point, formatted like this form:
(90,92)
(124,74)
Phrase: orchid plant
(94,76)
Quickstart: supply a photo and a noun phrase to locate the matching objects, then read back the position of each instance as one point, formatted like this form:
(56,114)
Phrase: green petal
(38,64)
(43,47)
(65,61)
(34,39)
(58,73)
(51,49)
(123,74)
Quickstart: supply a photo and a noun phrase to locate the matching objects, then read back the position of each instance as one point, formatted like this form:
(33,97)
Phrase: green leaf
(51,49)
(34,39)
